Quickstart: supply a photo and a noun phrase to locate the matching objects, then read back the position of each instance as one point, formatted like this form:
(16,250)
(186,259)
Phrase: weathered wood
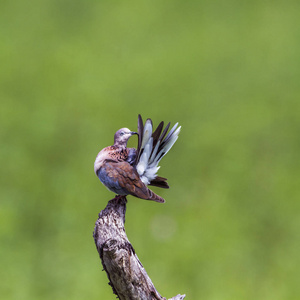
(127,276)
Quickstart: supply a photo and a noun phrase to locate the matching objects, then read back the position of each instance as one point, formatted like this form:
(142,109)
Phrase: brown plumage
(129,180)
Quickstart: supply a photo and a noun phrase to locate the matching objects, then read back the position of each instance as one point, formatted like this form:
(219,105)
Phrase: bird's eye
(122,133)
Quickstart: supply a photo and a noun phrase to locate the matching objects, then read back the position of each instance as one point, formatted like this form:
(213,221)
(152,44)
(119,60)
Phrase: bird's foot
(121,198)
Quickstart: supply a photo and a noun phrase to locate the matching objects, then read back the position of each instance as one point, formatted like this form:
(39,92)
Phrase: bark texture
(127,276)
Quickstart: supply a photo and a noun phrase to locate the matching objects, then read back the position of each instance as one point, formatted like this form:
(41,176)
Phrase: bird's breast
(110,153)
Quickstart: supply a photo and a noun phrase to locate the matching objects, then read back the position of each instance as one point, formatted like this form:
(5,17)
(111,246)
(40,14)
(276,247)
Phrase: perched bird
(128,171)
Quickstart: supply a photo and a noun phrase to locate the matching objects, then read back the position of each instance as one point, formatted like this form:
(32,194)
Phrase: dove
(129,171)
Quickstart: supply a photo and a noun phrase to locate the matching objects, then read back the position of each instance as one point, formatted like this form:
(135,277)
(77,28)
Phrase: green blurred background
(73,72)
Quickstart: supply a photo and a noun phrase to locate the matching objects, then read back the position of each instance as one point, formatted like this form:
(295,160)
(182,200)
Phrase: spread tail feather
(152,147)
(160,182)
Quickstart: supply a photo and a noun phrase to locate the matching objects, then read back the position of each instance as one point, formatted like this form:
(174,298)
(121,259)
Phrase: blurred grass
(73,72)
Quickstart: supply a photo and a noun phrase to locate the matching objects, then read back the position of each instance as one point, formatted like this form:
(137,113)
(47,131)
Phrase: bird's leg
(121,198)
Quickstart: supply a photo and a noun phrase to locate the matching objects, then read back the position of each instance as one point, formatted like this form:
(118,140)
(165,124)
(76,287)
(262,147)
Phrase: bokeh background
(73,72)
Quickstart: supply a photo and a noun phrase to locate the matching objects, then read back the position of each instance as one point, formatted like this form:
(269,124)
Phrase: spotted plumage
(128,171)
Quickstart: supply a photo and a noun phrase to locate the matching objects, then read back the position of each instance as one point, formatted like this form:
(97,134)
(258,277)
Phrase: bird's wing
(125,177)
(131,157)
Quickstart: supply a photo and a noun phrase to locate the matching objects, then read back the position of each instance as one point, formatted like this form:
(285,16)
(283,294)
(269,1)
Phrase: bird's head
(122,136)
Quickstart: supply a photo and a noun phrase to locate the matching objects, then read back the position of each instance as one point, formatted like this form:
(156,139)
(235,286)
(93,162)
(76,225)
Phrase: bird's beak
(132,132)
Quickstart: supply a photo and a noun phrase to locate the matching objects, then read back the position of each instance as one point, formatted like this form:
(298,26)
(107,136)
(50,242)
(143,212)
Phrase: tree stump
(126,274)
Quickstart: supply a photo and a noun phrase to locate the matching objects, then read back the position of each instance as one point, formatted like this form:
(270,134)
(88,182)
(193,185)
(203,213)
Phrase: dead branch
(126,274)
